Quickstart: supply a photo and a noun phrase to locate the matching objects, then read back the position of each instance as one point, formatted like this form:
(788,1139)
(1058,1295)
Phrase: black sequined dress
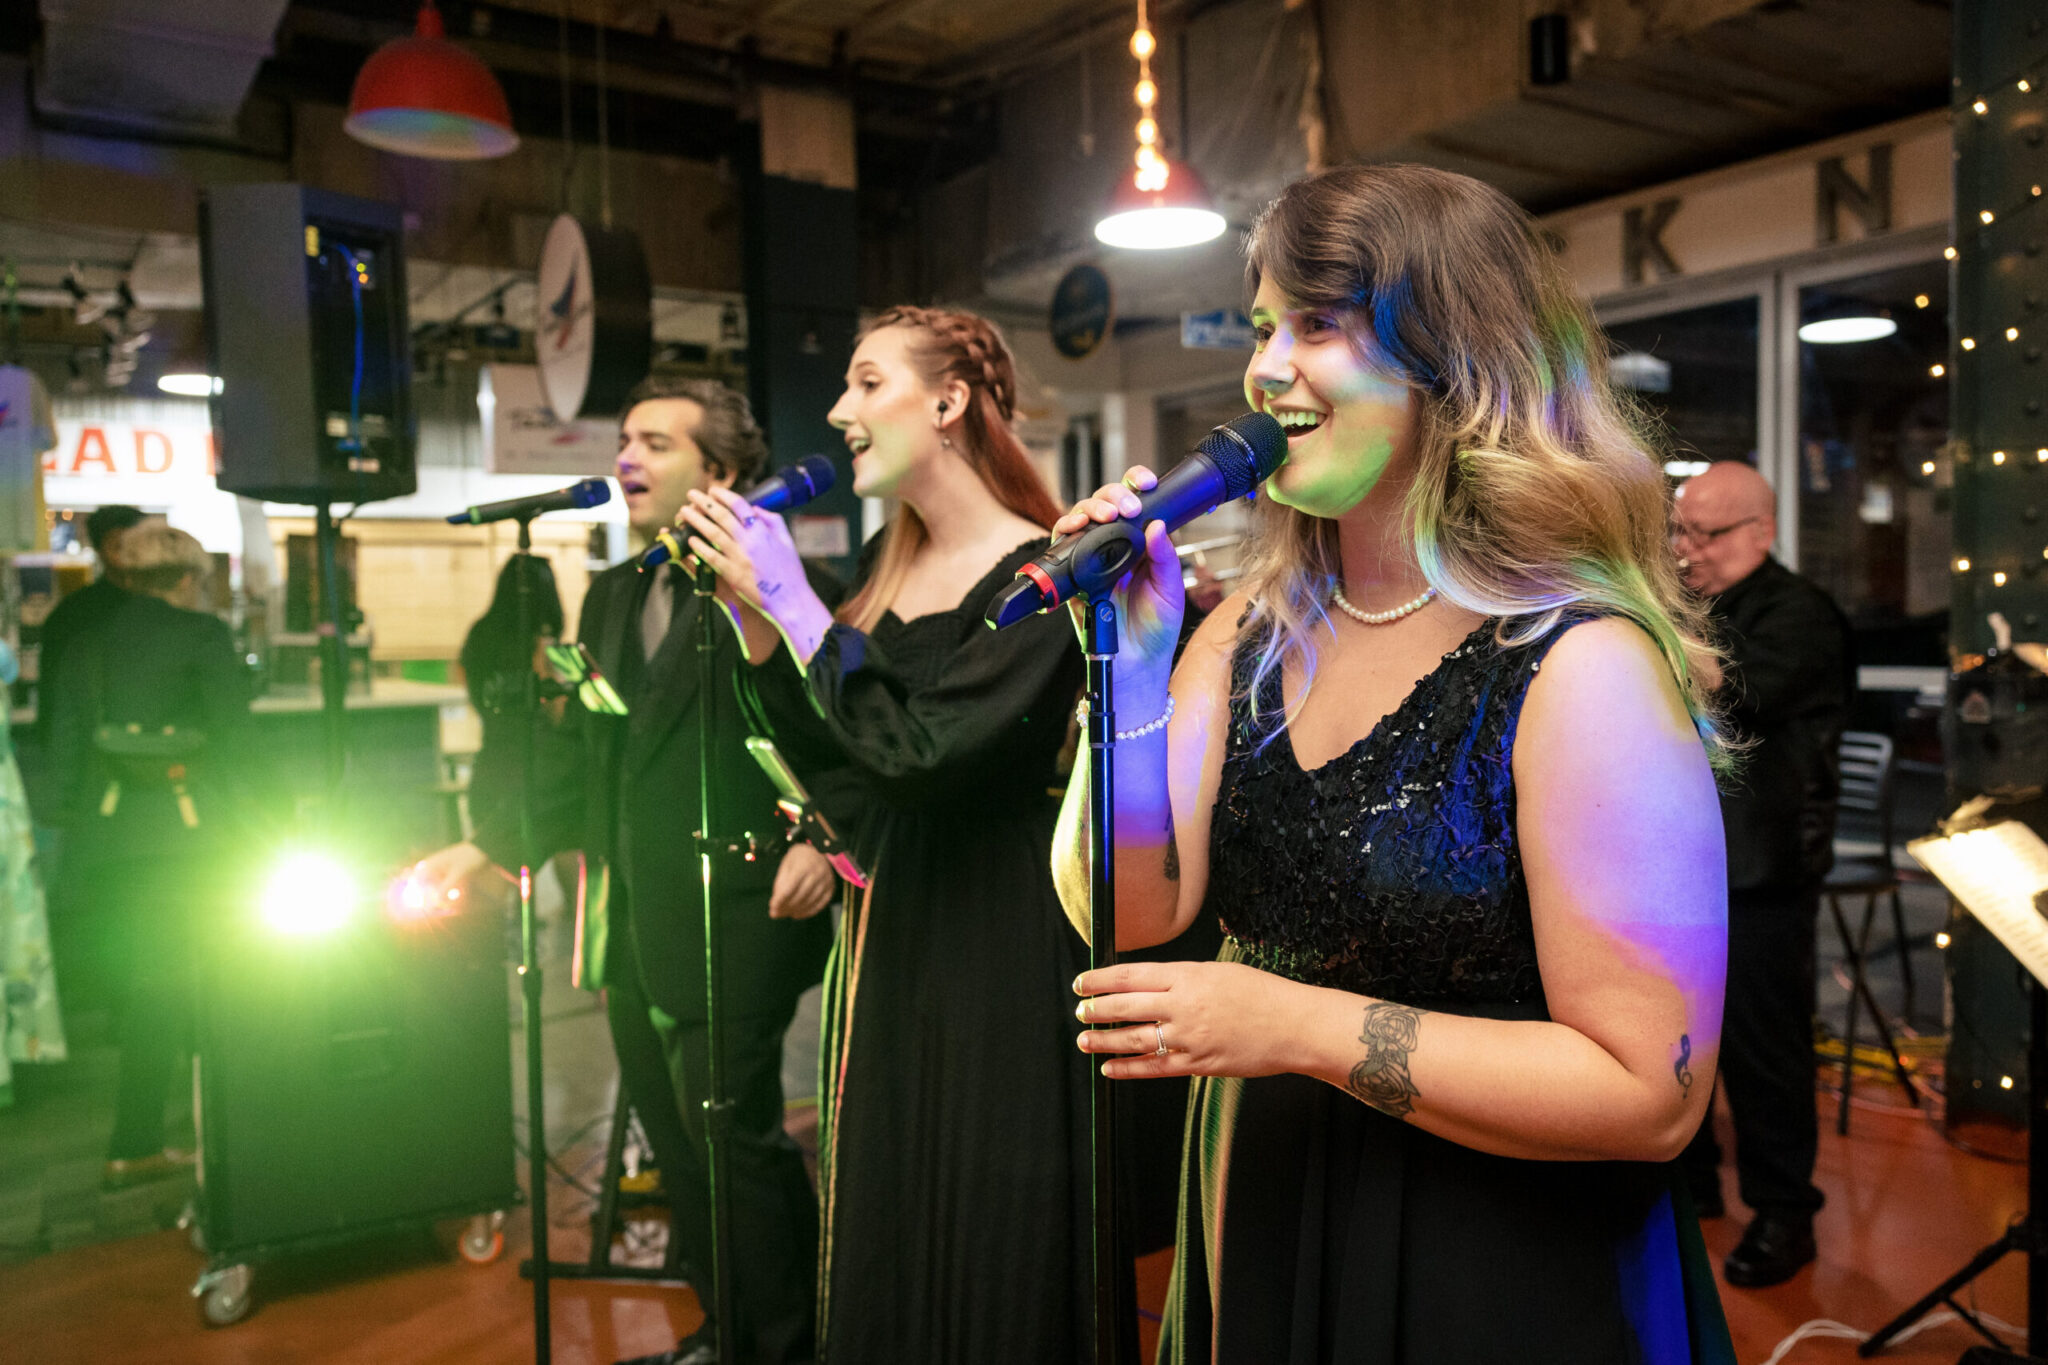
(1318,1231)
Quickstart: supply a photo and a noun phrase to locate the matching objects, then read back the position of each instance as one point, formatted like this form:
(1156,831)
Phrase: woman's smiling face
(1346,420)
(889,413)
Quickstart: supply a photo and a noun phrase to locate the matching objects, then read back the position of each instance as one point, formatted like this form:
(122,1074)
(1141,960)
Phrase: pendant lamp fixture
(1160,202)
(424,96)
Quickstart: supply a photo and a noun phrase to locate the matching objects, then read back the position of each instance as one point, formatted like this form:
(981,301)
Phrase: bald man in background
(1790,677)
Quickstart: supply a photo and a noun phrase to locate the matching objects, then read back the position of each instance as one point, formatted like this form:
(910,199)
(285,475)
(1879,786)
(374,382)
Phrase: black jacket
(78,613)
(1791,675)
(148,663)
(624,790)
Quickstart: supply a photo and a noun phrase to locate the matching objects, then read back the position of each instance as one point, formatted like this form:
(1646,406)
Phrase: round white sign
(565,318)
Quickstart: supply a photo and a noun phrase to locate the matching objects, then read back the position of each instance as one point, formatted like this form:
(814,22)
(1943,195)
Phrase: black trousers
(1767,1054)
(146,908)
(664,1063)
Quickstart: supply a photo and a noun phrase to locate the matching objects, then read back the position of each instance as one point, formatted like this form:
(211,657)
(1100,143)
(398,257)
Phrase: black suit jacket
(1791,675)
(624,790)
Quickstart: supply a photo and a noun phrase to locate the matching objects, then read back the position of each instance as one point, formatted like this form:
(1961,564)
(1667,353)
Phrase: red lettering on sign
(92,446)
(144,440)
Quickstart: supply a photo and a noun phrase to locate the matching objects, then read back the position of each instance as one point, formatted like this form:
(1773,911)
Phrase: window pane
(1873,423)
(1695,372)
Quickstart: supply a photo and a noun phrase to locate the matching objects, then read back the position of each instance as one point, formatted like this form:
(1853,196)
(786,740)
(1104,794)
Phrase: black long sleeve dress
(953,1132)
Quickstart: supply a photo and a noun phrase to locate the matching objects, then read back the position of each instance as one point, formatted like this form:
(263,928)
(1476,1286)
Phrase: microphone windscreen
(591,493)
(1247,450)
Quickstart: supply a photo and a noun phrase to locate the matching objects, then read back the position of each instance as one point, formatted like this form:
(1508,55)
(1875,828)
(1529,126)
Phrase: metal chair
(1864,765)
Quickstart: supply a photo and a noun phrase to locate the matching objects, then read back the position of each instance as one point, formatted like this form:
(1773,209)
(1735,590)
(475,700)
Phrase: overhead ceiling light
(1161,203)
(1855,327)
(424,96)
(189,385)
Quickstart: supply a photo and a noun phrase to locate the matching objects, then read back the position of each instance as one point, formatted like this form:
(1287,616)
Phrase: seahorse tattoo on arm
(1682,1068)
(1382,1079)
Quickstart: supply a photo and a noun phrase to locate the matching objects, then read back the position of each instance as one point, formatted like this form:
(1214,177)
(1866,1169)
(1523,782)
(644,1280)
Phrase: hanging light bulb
(424,96)
(1160,203)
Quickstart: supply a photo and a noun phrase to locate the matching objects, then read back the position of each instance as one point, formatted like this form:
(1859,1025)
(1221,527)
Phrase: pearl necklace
(1381,618)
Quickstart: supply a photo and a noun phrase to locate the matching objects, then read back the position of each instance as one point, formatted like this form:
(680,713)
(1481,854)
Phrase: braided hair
(946,346)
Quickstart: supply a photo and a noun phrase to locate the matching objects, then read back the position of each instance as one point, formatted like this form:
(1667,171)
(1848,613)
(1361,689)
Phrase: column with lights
(1996,726)
(1998,377)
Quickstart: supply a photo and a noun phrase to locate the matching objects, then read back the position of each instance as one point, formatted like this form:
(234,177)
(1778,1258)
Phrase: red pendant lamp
(424,96)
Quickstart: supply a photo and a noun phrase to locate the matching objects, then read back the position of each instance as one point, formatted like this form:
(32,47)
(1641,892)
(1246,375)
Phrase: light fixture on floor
(424,96)
(1159,203)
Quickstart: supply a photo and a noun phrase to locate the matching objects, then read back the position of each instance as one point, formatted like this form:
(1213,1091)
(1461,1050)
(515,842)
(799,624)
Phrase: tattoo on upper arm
(1682,1068)
(1382,1078)
(1172,851)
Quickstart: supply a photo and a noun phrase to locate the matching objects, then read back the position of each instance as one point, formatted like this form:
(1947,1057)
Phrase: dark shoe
(1771,1251)
(698,1348)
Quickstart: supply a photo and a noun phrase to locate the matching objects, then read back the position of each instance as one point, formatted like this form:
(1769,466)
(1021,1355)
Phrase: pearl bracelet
(1150,727)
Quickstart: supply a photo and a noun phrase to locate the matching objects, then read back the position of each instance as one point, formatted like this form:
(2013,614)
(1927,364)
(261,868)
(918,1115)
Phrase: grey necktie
(658,610)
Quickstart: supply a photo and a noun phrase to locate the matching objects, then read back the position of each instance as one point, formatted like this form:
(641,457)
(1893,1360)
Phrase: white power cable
(1828,1328)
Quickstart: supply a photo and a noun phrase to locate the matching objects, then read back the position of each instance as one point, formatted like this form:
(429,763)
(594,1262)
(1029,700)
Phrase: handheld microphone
(1230,462)
(589,493)
(787,488)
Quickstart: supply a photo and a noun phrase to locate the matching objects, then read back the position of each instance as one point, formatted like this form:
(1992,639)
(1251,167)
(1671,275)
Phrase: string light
(1927,467)
(2024,86)
(1962,566)
(2012,334)
(1981,107)
(1998,580)
(1985,216)
(1948,253)
(1921,300)
(1968,343)
(1160,203)
(1937,370)
(1998,457)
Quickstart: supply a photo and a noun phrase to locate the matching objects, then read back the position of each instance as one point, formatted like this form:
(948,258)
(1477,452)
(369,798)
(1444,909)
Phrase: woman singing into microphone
(954,1168)
(1442,767)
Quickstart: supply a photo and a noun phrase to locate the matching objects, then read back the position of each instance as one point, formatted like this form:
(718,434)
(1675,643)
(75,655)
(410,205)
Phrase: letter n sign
(1835,189)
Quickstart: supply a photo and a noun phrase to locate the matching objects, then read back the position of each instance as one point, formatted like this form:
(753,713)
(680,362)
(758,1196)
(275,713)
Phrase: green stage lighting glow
(309,893)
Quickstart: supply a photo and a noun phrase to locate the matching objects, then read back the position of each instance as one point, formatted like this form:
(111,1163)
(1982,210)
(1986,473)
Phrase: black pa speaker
(307,337)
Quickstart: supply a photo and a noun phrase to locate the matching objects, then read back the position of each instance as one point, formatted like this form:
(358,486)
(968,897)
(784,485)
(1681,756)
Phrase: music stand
(1999,873)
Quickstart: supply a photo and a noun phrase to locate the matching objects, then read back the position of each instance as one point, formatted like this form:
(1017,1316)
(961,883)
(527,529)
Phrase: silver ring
(1160,1029)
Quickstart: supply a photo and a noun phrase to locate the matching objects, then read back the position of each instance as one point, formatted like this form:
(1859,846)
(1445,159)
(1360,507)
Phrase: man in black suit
(1790,679)
(624,790)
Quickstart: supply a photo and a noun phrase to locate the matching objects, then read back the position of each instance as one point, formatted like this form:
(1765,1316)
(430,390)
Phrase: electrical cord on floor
(1828,1328)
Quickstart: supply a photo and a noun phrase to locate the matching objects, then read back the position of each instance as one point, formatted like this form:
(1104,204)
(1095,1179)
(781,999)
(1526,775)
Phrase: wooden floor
(1904,1209)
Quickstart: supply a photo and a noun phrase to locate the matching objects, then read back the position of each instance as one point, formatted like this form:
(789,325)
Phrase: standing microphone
(588,493)
(1230,462)
(789,487)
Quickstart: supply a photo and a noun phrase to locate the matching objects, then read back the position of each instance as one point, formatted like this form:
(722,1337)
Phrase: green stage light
(309,893)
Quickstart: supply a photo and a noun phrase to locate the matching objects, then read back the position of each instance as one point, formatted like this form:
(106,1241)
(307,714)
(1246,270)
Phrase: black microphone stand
(529,954)
(717,1107)
(1116,1326)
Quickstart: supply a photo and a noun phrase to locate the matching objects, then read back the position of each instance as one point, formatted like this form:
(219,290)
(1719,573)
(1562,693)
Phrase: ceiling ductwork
(178,71)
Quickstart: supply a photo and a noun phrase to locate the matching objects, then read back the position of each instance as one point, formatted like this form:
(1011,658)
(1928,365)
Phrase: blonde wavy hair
(1535,490)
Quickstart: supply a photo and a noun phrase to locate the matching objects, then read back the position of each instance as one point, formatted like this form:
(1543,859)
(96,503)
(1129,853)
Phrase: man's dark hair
(727,432)
(110,520)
